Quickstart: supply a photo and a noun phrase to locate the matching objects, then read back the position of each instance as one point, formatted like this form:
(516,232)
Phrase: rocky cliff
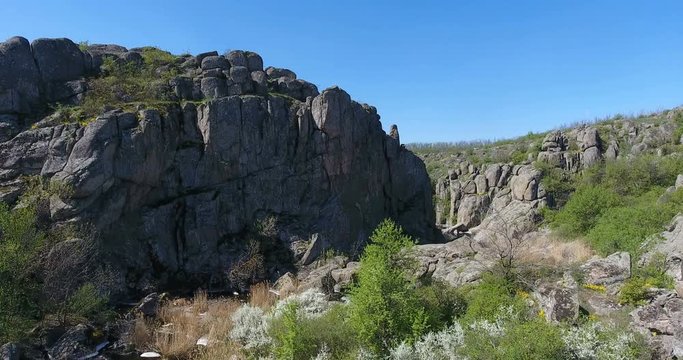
(170,190)
(476,186)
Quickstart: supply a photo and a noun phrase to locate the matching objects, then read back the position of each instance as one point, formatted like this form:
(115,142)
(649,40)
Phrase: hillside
(659,131)
(182,207)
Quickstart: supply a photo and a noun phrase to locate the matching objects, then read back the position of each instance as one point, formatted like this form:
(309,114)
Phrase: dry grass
(142,334)
(180,323)
(544,248)
(200,302)
(260,296)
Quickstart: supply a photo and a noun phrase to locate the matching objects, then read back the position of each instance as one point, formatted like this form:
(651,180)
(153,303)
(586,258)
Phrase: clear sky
(441,70)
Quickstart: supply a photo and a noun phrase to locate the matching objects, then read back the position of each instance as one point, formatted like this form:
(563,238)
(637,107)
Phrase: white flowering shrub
(310,303)
(441,345)
(324,353)
(365,354)
(597,341)
(496,328)
(250,328)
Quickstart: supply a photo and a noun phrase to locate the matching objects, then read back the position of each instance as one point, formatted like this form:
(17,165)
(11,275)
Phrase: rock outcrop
(171,192)
(582,147)
(470,194)
(661,322)
(671,247)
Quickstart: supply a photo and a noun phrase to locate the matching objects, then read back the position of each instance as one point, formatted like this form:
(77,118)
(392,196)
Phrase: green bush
(298,337)
(652,275)
(20,244)
(637,175)
(619,205)
(289,335)
(485,300)
(583,209)
(24,274)
(443,303)
(512,335)
(627,228)
(384,308)
(88,302)
(557,183)
(535,339)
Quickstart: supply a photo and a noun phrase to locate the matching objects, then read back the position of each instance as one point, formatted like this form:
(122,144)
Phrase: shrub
(310,303)
(385,309)
(594,340)
(653,275)
(20,244)
(583,209)
(485,300)
(289,336)
(442,303)
(625,229)
(123,83)
(443,345)
(535,339)
(558,183)
(88,302)
(249,267)
(250,329)
(297,336)
(510,335)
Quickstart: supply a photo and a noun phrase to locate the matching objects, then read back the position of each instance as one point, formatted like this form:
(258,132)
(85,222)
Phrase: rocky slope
(484,188)
(171,191)
(474,187)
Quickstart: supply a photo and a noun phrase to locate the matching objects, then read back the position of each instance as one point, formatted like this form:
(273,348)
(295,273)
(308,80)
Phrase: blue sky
(441,70)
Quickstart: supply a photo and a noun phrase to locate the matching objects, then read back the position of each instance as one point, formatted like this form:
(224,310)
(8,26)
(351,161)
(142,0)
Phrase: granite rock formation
(169,192)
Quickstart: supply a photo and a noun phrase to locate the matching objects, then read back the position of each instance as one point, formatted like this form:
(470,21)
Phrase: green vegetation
(126,85)
(558,184)
(678,120)
(123,83)
(652,275)
(20,244)
(485,300)
(34,285)
(384,307)
(298,337)
(392,315)
(83,45)
(618,206)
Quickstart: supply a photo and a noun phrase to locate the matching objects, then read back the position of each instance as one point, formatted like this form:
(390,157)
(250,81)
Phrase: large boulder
(19,77)
(607,271)
(524,184)
(455,263)
(560,300)
(76,343)
(58,59)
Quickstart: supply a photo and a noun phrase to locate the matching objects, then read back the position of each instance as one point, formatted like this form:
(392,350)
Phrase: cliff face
(170,191)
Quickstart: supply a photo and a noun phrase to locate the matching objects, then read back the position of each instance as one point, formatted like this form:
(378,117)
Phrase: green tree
(20,243)
(385,309)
